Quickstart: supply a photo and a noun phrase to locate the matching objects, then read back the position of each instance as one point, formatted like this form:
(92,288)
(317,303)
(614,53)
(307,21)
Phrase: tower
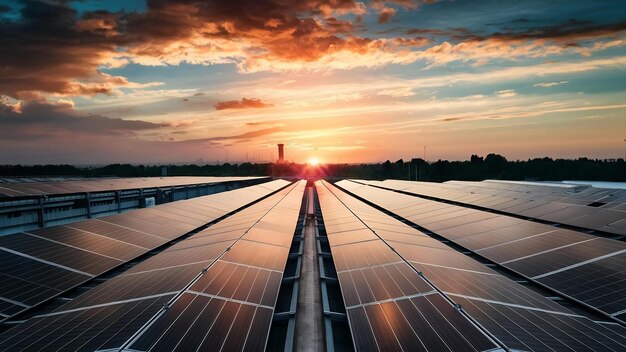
(281,153)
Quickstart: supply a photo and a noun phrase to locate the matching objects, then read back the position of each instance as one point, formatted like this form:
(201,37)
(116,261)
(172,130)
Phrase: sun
(313,161)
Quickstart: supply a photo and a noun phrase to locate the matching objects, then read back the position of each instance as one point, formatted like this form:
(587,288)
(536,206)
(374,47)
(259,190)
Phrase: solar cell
(530,246)
(116,232)
(542,263)
(239,291)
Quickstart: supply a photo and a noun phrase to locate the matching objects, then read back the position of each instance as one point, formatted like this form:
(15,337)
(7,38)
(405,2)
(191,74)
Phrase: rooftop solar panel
(557,332)
(57,253)
(235,299)
(106,184)
(90,241)
(39,265)
(564,204)
(389,306)
(463,279)
(153,283)
(530,254)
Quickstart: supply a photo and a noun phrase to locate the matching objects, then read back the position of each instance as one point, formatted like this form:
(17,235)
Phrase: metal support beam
(41,214)
(88,201)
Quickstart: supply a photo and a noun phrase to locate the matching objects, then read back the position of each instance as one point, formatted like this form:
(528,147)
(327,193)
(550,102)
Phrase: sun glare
(313,161)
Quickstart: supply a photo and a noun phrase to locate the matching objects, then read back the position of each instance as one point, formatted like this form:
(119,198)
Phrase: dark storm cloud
(244,103)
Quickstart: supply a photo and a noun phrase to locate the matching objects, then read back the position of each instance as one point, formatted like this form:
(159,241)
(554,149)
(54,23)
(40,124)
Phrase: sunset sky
(96,82)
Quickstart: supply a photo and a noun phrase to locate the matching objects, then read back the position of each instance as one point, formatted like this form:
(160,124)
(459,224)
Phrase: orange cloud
(242,104)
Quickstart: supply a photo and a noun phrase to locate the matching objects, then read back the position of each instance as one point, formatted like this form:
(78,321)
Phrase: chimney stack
(281,153)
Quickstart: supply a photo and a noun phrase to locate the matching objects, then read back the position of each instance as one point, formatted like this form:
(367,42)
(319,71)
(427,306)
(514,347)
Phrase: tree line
(492,166)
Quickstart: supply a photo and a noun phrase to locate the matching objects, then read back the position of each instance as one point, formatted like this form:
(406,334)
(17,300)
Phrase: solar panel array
(105,184)
(229,273)
(586,207)
(389,306)
(517,316)
(215,288)
(41,264)
(586,268)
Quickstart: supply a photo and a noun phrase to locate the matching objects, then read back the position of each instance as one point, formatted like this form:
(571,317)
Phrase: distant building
(281,153)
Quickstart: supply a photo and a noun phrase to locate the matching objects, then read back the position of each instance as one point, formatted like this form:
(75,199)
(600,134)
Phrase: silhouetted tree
(477,168)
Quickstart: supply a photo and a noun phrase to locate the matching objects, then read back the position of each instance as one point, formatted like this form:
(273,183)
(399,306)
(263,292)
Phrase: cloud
(550,84)
(240,137)
(38,119)
(255,35)
(461,44)
(385,13)
(506,93)
(268,35)
(397,92)
(244,103)
(52,51)
(568,32)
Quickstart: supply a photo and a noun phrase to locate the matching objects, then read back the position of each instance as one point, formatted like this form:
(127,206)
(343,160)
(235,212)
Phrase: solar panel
(534,254)
(608,293)
(41,264)
(389,306)
(155,282)
(558,332)
(108,184)
(57,253)
(564,204)
(89,329)
(90,241)
(464,280)
(231,305)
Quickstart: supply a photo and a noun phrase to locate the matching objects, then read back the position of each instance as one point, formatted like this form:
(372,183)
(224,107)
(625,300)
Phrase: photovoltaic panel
(609,290)
(552,260)
(389,306)
(90,241)
(107,184)
(464,280)
(30,281)
(560,332)
(230,306)
(90,329)
(41,264)
(115,232)
(526,253)
(67,256)
(529,246)
(96,314)
(559,203)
